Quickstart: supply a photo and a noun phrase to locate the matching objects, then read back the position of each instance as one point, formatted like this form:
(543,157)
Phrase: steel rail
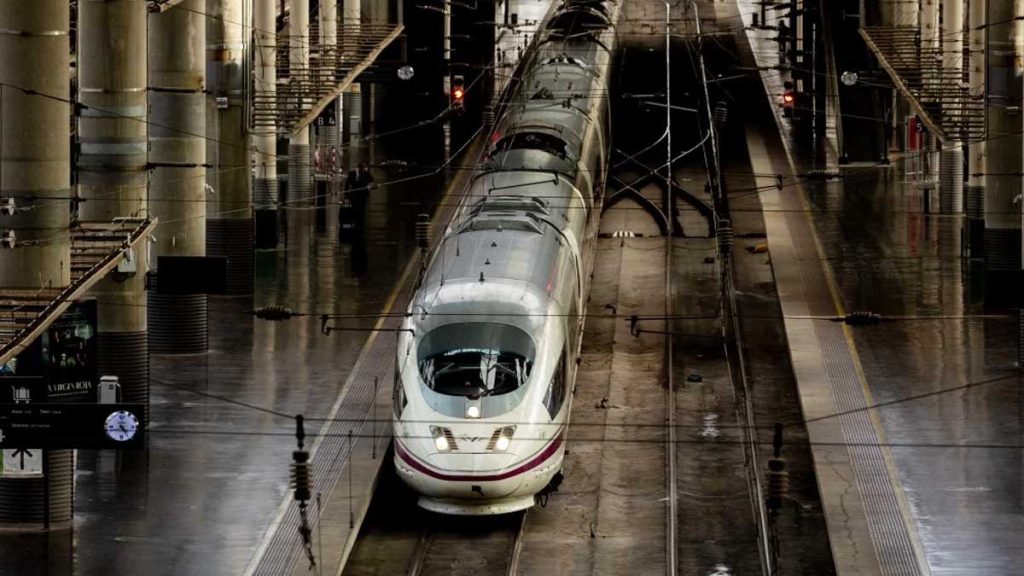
(671,560)
(517,547)
(420,553)
(728,302)
(741,383)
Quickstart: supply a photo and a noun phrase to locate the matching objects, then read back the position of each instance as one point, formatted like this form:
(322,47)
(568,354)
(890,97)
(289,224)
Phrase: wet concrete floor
(953,395)
(221,436)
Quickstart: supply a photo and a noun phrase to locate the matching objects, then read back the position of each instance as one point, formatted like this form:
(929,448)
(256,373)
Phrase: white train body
(485,370)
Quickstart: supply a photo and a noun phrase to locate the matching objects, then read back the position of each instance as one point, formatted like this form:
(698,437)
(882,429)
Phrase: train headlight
(502,444)
(441,441)
(502,438)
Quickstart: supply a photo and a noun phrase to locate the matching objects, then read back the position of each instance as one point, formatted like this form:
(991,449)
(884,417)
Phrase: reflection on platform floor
(958,452)
(221,436)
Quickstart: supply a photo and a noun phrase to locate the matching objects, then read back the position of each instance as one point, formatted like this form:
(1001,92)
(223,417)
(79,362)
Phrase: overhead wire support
(302,482)
(715,170)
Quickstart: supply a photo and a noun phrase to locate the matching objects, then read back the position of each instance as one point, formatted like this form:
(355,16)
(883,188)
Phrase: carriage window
(475,359)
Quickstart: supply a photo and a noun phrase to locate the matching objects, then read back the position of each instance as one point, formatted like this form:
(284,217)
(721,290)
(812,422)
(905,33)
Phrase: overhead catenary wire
(1012,377)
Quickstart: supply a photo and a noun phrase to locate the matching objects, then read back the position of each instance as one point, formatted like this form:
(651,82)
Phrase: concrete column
(34,151)
(327,134)
(298,146)
(229,225)
(951,161)
(974,193)
(329,31)
(350,107)
(35,161)
(112,173)
(265,137)
(1003,117)
(351,18)
(177,194)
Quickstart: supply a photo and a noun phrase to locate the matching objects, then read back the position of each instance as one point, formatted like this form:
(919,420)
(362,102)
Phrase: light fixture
(473,407)
(849,78)
(406,72)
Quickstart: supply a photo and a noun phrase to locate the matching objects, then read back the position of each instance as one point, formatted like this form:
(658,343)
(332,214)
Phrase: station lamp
(458,90)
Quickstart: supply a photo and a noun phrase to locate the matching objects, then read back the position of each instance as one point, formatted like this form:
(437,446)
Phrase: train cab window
(555,395)
(532,141)
(475,359)
(398,399)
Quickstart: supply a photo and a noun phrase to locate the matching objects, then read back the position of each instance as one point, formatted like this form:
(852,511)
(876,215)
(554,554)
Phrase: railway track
(469,546)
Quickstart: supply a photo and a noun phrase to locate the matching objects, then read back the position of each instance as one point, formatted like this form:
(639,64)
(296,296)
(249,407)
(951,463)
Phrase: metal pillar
(265,137)
(298,146)
(951,178)
(35,161)
(974,193)
(1003,119)
(229,225)
(951,160)
(177,195)
(112,173)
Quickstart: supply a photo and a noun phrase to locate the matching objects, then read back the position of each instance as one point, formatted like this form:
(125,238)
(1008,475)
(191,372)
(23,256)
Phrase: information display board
(34,426)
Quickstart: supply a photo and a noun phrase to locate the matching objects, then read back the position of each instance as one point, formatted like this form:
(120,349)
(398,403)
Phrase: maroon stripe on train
(537,461)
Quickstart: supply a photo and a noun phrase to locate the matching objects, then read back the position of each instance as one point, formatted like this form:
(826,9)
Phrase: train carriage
(487,360)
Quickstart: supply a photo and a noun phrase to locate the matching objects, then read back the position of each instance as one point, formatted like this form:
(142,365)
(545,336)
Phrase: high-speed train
(488,355)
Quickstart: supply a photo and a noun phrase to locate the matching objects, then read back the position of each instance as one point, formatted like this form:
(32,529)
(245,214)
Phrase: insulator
(8,207)
(1020,344)
(8,240)
(862,318)
(818,174)
(778,482)
(720,114)
(274,313)
(301,475)
(423,230)
(726,236)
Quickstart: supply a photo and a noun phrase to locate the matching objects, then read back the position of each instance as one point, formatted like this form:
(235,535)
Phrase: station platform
(914,423)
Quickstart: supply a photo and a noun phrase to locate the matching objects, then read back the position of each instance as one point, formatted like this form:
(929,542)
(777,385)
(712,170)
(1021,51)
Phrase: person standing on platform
(358,186)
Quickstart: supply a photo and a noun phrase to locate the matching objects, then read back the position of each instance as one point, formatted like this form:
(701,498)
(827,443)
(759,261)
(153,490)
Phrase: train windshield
(475,359)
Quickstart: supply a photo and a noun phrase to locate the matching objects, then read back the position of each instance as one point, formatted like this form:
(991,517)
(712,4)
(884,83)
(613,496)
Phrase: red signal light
(458,93)
(788,98)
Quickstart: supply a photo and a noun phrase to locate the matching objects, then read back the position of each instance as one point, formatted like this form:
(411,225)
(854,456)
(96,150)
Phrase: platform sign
(20,462)
(117,426)
(328,117)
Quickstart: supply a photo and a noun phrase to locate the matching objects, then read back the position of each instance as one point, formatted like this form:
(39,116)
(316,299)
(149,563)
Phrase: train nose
(476,464)
(471,476)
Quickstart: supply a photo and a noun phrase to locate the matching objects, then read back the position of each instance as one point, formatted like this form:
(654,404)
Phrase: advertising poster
(60,366)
